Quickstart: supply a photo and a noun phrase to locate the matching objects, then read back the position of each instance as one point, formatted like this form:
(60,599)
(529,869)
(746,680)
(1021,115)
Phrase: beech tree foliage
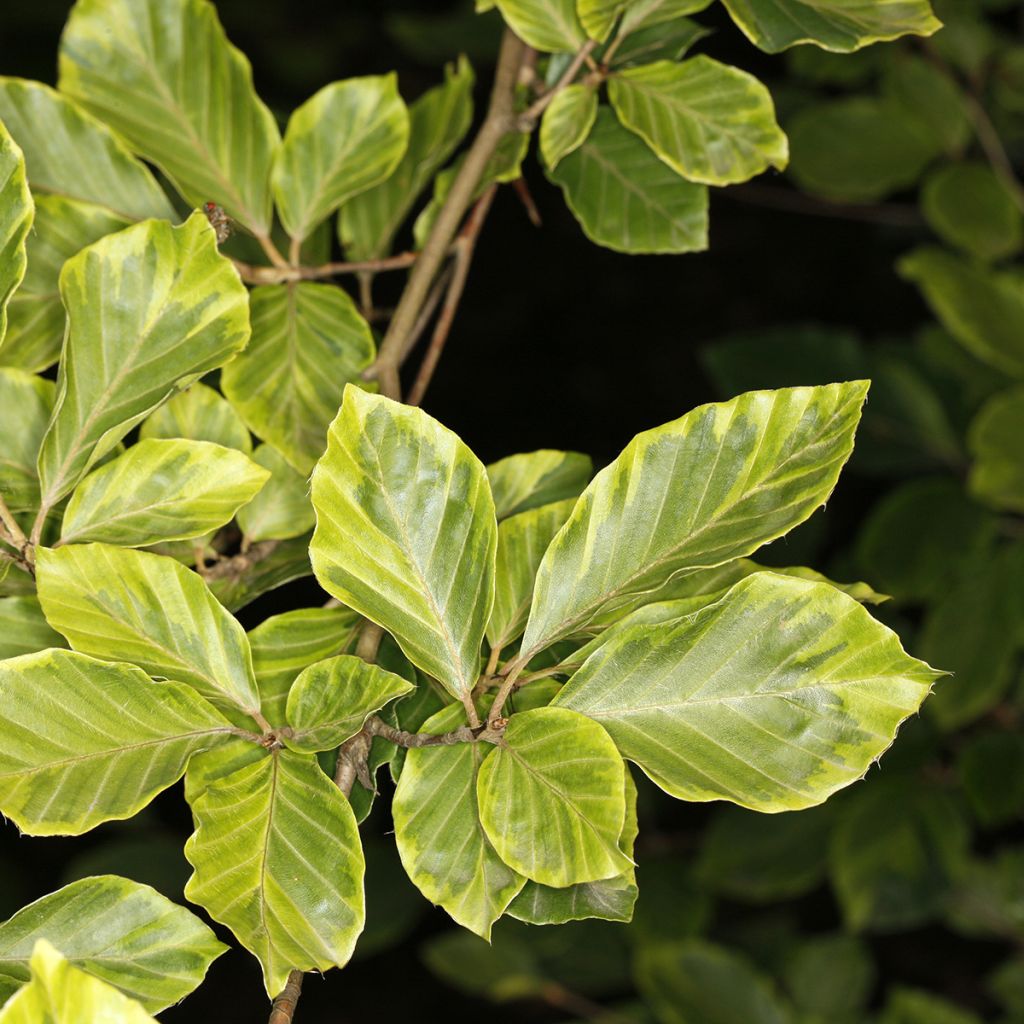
(194,413)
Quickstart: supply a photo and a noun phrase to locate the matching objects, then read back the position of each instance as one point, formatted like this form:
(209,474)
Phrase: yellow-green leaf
(549,25)
(406,533)
(27,402)
(567,122)
(149,309)
(163,75)
(277,859)
(198,414)
(16,213)
(347,138)
(282,508)
(124,605)
(709,122)
(86,741)
(774,697)
(24,629)
(531,479)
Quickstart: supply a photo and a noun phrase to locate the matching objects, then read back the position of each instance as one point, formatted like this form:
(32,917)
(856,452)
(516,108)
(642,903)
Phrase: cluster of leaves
(925,859)
(542,628)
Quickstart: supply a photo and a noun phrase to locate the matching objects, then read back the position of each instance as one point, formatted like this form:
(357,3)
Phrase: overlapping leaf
(626,199)
(161,491)
(330,701)
(124,605)
(281,509)
(60,993)
(709,122)
(162,74)
(440,838)
(86,741)
(23,627)
(437,122)
(198,414)
(16,213)
(283,645)
(72,155)
(997,475)
(775,697)
(62,227)
(174,308)
(27,402)
(347,138)
(406,533)
(277,859)
(531,479)
(552,798)
(549,25)
(308,341)
(567,122)
(838,25)
(695,493)
(117,930)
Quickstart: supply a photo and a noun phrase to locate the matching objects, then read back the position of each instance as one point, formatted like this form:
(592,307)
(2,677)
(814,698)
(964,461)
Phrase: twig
(376,726)
(240,563)
(437,292)
(283,1009)
(465,247)
(283,273)
(272,251)
(499,122)
(528,119)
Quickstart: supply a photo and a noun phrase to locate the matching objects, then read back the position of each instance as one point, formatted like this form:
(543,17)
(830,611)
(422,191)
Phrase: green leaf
(532,479)
(101,745)
(441,841)
(931,102)
(330,701)
(566,123)
(921,536)
(641,14)
(198,414)
(308,342)
(124,605)
(281,510)
(522,541)
(997,475)
(549,25)
(968,206)
(837,25)
(695,982)
(610,899)
(161,491)
(983,310)
(915,1006)
(162,74)
(61,994)
(16,214)
(555,818)
(628,200)
(757,858)
(285,644)
(709,122)
(180,311)
(347,138)
(277,859)
(857,149)
(23,628)
(406,533)
(987,900)
(119,931)
(27,402)
(62,227)
(990,767)
(895,850)
(438,120)
(775,697)
(670,41)
(831,976)
(72,155)
(695,493)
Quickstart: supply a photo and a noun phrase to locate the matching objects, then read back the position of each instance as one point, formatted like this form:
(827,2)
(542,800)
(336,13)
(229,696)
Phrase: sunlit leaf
(549,25)
(16,213)
(282,508)
(27,402)
(198,414)
(531,479)
(567,122)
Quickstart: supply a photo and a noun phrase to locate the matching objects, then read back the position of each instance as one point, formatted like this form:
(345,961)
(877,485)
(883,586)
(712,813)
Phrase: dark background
(558,344)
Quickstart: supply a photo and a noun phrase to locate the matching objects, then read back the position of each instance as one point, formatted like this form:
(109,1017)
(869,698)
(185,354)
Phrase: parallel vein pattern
(775,697)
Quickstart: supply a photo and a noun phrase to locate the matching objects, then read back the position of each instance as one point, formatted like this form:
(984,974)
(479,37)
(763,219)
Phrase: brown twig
(528,118)
(283,273)
(464,249)
(499,122)
(283,1009)
(235,565)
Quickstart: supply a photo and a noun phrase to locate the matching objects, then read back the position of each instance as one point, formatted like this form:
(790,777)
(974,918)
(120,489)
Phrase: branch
(12,534)
(464,249)
(252,274)
(529,118)
(499,122)
(284,1005)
